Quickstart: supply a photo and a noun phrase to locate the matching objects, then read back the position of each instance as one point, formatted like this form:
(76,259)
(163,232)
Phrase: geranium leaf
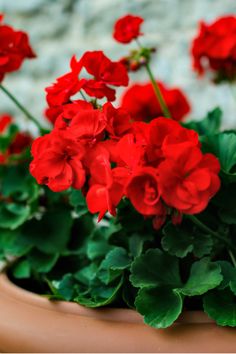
(12,242)
(159,306)
(13,215)
(113,265)
(99,295)
(21,270)
(155,268)
(204,275)
(87,274)
(136,242)
(202,244)
(116,259)
(220,305)
(177,241)
(78,201)
(223,145)
(51,233)
(228,272)
(209,125)
(65,287)
(18,183)
(181,240)
(42,262)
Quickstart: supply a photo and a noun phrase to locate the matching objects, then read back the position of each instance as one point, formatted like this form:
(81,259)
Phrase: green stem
(81,92)
(158,93)
(22,108)
(232,257)
(205,228)
(156,88)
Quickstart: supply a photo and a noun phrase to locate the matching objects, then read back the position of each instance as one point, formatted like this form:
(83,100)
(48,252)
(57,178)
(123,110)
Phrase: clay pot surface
(31,323)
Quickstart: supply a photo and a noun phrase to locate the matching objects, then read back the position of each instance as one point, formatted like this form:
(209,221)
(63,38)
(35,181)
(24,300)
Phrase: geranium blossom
(127,28)
(141,103)
(14,49)
(214,48)
(57,161)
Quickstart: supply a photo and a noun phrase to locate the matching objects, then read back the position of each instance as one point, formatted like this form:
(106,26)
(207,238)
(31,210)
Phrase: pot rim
(17,294)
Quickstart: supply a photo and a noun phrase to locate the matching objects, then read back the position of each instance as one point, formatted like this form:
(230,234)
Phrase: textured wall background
(61,28)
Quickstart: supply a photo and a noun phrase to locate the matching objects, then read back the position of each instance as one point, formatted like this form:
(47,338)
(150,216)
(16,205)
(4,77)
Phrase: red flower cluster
(104,74)
(75,143)
(19,142)
(128,152)
(159,166)
(14,49)
(140,101)
(127,28)
(215,48)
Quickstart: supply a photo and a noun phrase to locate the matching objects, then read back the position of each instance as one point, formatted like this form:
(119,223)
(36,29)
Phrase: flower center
(150,193)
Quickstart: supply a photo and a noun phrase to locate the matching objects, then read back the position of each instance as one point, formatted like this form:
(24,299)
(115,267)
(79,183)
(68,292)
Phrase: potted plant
(162,246)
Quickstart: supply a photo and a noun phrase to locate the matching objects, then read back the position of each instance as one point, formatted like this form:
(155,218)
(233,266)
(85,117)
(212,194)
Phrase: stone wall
(61,28)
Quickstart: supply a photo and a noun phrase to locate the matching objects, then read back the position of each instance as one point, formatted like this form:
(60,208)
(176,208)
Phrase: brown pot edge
(111,314)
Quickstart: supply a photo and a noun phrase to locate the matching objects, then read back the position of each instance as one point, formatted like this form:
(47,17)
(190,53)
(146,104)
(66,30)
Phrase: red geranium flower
(188,179)
(88,124)
(106,188)
(141,102)
(118,121)
(65,86)
(214,48)
(69,111)
(143,192)
(14,48)
(57,161)
(127,28)
(105,72)
(5,121)
(20,142)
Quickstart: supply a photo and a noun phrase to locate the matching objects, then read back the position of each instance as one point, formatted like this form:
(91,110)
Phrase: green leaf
(42,262)
(78,201)
(181,240)
(228,272)
(13,215)
(50,234)
(220,305)
(177,240)
(97,249)
(155,268)
(225,201)
(21,270)
(223,145)
(12,243)
(113,265)
(19,184)
(209,125)
(136,243)
(204,275)
(202,244)
(159,306)
(65,287)
(116,259)
(87,274)
(99,295)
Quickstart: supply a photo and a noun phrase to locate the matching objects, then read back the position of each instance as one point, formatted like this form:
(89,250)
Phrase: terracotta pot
(30,323)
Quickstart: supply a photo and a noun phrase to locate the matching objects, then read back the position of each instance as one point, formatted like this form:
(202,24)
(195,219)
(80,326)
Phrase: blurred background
(60,28)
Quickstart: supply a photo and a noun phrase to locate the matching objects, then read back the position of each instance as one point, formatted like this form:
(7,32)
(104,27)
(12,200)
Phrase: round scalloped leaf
(220,305)
(204,275)
(159,306)
(155,268)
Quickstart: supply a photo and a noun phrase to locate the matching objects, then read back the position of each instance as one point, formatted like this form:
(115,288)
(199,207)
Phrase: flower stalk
(22,108)
(156,87)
